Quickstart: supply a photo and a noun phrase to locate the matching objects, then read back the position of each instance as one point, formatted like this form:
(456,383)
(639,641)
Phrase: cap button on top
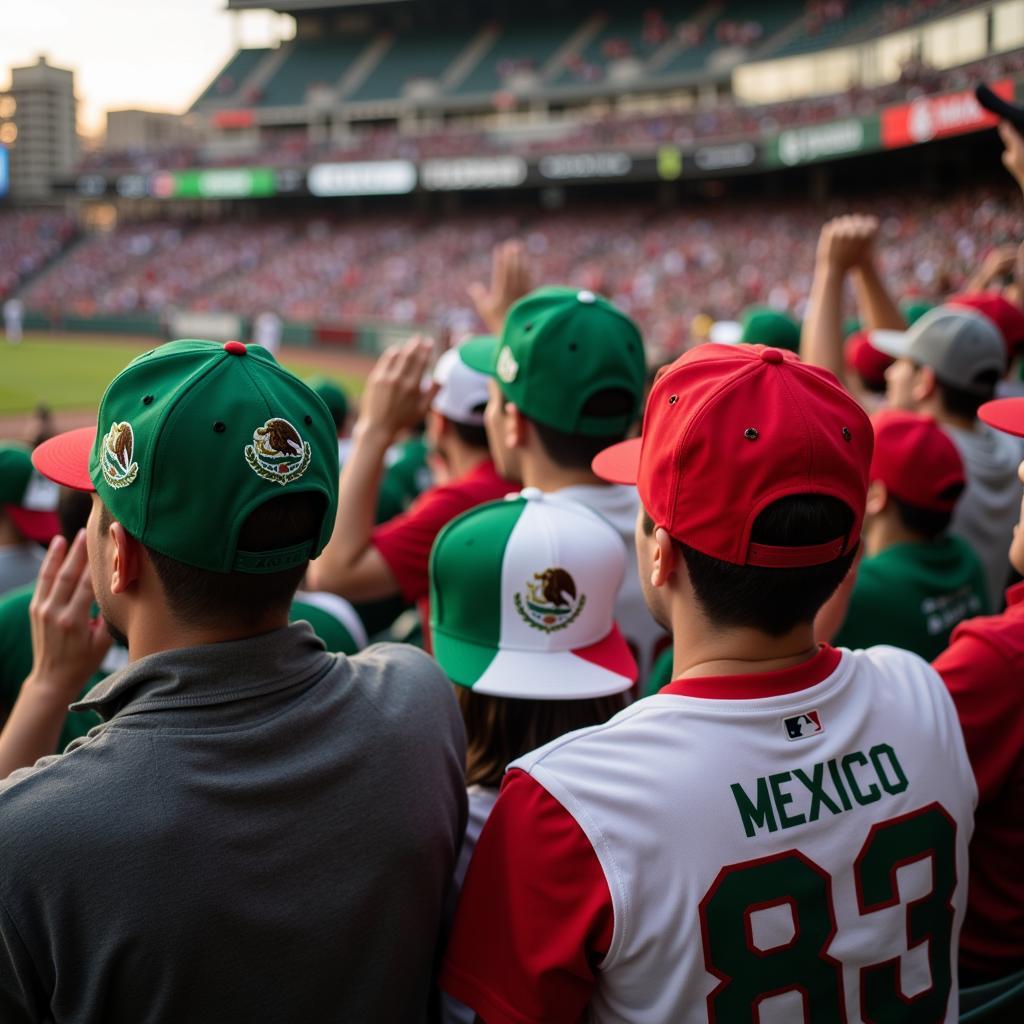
(772,355)
(585,296)
(235,348)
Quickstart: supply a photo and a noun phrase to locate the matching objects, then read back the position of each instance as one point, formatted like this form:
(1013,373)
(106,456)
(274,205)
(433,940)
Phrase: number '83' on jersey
(794,857)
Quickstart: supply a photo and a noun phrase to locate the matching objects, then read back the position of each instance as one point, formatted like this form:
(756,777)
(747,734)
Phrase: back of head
(574,366)
(756,465)
(221,463)
(461,397)
(522,598)
(921,469)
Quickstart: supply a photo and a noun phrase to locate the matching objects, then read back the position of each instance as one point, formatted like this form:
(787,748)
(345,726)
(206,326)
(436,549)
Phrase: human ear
(125,554)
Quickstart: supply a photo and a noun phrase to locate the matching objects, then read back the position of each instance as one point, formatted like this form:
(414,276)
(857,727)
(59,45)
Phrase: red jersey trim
(760,684)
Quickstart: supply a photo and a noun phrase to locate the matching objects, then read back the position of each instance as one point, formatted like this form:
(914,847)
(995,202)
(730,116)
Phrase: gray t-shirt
(260,831)
(989,508)
(19,564)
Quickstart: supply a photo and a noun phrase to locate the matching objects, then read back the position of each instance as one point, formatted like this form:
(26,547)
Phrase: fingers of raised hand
(70,571)
(48,570)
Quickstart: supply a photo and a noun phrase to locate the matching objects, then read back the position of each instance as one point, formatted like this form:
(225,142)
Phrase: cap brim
(892,343)
(619,464)
(599,670)
(1005,414)
(64,459)
(480,353)
(34,524)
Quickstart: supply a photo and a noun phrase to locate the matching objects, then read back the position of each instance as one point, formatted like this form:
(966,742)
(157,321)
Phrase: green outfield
(70,371)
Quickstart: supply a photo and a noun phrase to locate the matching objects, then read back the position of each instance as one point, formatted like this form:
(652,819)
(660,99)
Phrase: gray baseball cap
(961,346)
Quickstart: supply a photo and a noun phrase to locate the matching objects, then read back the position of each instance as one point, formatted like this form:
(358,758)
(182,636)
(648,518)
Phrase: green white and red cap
(522,597)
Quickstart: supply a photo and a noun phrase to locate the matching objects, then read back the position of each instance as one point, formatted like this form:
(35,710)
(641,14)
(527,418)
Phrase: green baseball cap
(334,398)
(764,326)
(522,600)
(560,347)
(193,436)
(913,309)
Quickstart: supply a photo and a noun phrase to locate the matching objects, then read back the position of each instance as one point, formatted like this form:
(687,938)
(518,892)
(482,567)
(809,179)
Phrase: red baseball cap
(863,358)
(1005,414)
(730,430)
(916,460)
(1007,316)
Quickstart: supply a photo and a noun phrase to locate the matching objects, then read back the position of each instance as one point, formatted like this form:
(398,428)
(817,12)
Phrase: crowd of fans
(663,267)
(683,716)
(28,241)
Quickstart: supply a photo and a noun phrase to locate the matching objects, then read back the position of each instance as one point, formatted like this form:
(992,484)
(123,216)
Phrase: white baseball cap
(522,601)
(463,390)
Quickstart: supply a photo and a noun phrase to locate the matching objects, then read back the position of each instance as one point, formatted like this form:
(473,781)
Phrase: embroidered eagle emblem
(551,602)
(117,455)
(277,452)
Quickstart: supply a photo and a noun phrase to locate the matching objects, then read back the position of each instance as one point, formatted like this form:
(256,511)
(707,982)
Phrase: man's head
(28,502)
(752,471)
(1007,316)
(916,476)
(567,380)
(1007,415)
(946,364)
(456,416)
(215,477)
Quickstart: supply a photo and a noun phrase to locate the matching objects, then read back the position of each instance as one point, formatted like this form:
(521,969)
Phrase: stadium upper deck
(375,59)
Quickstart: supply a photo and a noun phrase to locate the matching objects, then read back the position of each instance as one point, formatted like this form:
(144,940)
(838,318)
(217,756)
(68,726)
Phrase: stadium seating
(518,46)
(412,57)
(309,62)
(231,77)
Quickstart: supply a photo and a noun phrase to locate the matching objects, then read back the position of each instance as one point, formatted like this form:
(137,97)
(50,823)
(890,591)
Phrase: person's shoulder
(893,671)
(43,804)
(401,672)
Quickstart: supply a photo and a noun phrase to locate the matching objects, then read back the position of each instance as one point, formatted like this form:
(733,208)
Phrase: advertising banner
(472,172)
(585,166)
(938,117)
(362,178)
(845,137)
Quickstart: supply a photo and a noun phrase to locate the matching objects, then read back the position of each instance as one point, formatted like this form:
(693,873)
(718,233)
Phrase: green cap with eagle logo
(522,599)
(192,437)
(559,348)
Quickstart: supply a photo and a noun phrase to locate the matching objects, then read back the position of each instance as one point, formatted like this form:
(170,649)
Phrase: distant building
(41,106)
(144,130)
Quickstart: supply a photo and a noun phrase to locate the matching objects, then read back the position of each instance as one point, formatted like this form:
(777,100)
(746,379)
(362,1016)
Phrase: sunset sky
(155,54)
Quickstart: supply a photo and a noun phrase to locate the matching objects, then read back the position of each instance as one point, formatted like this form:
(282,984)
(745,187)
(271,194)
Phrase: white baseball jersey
(777,848)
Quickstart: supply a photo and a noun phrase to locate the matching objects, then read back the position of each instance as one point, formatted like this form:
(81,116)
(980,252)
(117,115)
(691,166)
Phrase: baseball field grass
(70,371)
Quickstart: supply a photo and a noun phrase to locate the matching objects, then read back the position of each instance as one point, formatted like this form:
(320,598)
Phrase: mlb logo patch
(799,727)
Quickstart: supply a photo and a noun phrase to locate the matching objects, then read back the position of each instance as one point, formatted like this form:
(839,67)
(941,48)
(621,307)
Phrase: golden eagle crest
(117,455)
(277,452)
(551,602)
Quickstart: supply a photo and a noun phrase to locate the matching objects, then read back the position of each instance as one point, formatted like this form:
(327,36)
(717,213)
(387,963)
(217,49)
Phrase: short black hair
(470,433)
(926,522)
(577,451)
(963,403)
(772,601)
(201,597)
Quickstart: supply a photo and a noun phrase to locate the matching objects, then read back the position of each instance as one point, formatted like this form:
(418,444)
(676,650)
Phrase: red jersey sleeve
(985,688)
(405,541)
(535,915)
